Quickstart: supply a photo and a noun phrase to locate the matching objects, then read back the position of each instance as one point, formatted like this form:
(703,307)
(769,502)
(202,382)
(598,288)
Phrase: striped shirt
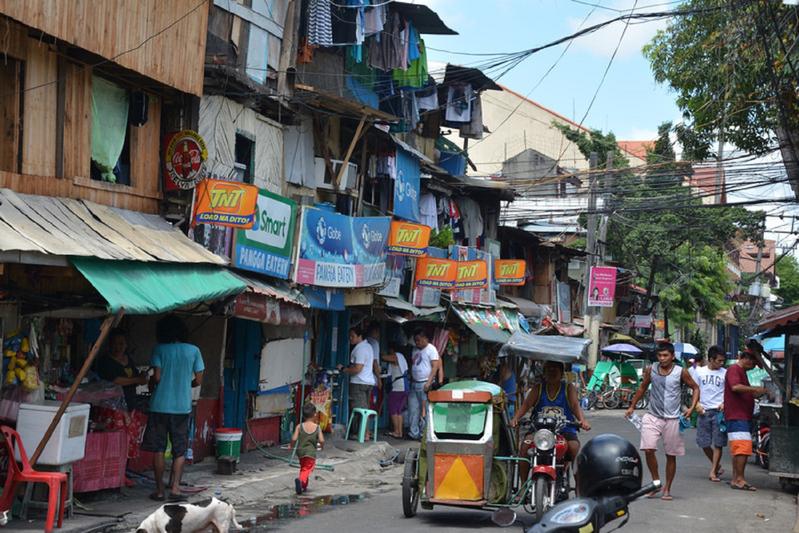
(665,396)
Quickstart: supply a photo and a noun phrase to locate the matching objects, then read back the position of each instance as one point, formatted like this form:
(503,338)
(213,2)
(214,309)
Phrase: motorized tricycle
(469,455)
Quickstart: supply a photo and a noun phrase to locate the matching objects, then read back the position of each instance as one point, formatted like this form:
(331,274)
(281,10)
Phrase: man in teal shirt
(178,367)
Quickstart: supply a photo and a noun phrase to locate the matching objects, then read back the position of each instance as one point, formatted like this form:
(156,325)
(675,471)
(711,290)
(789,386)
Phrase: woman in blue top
(553,396)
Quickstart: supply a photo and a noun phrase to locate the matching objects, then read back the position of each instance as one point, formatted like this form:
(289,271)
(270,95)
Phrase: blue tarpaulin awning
(156,287)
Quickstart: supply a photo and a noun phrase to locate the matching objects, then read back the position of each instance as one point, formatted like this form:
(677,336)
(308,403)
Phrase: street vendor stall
(782,409)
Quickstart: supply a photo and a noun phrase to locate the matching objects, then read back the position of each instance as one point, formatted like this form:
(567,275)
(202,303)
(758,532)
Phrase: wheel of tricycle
(612,399)
(410,484)
(541,493)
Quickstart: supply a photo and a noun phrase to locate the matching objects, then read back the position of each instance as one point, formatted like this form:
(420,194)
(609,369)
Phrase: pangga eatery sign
(184,158)
(509,271)
(267,247)
(436,273)
(407,238)
(225,203)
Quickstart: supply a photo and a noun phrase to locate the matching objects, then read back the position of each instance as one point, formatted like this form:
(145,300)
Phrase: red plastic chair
(56,481)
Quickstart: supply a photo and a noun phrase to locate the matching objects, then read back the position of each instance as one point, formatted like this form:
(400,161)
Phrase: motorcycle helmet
(608,465)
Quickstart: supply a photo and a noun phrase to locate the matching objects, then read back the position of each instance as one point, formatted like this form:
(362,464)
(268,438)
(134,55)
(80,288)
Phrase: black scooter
(589,515)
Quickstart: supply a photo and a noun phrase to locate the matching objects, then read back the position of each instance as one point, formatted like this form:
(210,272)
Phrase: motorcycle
(761,437)
(550,471)
(583,515)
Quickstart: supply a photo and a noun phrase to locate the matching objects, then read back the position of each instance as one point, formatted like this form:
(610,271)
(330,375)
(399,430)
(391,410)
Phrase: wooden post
(346,161)
(105,329)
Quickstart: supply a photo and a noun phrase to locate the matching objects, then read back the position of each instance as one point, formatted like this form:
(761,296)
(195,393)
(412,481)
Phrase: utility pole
(590,260)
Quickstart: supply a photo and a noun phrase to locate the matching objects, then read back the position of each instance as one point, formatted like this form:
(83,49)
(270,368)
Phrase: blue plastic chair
(364,416)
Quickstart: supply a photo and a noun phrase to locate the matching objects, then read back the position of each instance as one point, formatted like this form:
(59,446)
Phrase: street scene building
(280,256)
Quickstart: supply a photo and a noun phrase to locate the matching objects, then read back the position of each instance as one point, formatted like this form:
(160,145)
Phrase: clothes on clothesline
(320,23)
(428,210)
(459,104)
(474,129)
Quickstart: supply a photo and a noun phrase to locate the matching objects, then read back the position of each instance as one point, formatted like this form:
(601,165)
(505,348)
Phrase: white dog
(188,518)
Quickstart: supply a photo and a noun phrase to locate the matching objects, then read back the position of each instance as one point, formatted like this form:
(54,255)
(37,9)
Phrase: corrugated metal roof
(68,227)
(274,289)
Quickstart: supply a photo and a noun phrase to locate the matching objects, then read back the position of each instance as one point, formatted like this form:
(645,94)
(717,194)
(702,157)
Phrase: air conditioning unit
(324,179)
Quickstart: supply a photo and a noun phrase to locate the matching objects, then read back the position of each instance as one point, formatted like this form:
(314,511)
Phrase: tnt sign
(510,271)
(225,203)
(436,273)
(471,274)
(410,239)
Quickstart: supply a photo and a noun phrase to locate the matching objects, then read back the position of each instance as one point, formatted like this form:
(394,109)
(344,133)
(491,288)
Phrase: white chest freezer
(68,442)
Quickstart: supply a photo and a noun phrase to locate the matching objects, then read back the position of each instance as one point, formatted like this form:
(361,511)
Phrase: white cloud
(604,41)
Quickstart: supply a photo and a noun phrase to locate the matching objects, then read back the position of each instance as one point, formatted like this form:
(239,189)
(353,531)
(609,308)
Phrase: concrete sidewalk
(259,485)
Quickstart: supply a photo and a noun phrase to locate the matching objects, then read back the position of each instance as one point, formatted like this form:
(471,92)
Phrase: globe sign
(321,231)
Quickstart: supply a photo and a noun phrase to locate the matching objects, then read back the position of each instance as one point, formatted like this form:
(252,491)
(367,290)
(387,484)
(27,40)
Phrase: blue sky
(629,103)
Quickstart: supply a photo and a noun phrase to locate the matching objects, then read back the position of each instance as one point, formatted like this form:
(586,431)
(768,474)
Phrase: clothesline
(360,6)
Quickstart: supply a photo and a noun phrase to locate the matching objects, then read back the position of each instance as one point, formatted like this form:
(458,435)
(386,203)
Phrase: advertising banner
(406,187)
(485,294)
(429,296)
(407,238)
(340,251)
(471,275)
(225,203)
(435,272)
(602,286)
(184,159)
(510,271)
(266,247)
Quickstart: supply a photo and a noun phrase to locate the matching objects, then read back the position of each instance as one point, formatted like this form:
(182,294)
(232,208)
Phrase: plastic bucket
(228,442)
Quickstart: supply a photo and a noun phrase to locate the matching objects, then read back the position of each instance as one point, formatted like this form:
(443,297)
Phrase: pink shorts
(654,428)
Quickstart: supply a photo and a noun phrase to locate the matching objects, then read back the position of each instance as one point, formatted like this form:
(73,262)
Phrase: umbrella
(546,348)
(685,348)
(622,348)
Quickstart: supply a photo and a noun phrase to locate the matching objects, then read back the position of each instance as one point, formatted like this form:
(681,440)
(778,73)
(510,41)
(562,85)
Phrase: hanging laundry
(305,52)
(403,45)
(427,98)
(414,51)
(428,210)
(374,20)
(320,23)
(344,25)
(385,54)
(459,103)
(474,129)
(387,165)
(415,75)
(472,218)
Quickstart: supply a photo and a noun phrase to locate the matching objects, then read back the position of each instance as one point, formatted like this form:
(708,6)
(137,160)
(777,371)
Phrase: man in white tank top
(663,419)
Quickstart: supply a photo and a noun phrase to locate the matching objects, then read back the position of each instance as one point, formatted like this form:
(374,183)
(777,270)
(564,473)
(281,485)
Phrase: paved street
(699,505)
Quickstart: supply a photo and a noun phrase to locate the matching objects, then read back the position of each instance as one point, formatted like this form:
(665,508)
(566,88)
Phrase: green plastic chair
(364,416)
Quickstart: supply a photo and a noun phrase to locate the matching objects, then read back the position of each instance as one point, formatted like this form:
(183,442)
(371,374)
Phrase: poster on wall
(409,239)
(266,247)
(395,273)
(225,203)
(184,158)
(471,274)
(602,286)
(340,251)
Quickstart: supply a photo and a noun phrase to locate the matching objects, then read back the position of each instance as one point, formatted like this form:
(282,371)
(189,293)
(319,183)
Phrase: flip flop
(653,494)
(745,486)
(177,498)
(667,497)
(156,498)
(714,479)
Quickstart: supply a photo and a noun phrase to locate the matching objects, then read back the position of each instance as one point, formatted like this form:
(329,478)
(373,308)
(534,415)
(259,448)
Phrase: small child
(307,436)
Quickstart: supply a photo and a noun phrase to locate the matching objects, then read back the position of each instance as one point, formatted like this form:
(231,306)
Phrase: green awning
(489,334)
(150,288)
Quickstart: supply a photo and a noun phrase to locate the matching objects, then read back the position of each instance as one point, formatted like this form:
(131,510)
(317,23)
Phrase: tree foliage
(733,68)
(660,230)
(788,272)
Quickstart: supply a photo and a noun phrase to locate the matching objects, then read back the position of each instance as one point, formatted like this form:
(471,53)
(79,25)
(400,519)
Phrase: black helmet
(608,465)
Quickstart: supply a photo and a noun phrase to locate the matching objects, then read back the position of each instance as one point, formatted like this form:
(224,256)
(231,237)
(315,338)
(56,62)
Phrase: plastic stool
(364,414)
(29,502)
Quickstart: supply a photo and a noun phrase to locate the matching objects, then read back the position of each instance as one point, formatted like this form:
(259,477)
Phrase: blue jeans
(417,400)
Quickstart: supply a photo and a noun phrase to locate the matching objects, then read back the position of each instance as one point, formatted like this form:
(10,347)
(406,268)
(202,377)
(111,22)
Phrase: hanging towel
(320,23)
(459,103)
(374,20)
(428,210)
(474,129)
